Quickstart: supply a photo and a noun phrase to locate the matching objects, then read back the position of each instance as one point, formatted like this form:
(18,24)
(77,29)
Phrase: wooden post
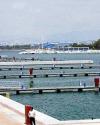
(17,92)
(80,90)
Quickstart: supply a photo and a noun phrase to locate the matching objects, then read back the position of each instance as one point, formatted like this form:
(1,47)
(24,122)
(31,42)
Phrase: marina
(49,62)
(53,82)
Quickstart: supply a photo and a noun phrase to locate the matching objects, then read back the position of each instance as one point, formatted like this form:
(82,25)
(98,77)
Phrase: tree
(74,45)
(96,44)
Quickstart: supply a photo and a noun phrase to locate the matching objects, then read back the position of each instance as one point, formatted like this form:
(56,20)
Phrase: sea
(62,106)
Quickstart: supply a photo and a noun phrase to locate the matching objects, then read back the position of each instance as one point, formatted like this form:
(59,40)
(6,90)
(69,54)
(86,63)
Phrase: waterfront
(62,106)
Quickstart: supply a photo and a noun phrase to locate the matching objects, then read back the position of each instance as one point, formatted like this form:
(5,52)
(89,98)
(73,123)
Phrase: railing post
(27,119)
(96,80)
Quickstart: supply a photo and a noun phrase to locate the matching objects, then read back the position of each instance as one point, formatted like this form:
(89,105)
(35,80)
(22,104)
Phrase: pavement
(10,117)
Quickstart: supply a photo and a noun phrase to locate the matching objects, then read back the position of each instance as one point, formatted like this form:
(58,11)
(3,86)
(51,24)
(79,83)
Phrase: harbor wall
(41,118)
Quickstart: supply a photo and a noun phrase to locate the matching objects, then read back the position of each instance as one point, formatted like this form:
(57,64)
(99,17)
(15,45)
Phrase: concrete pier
(13,113)
(41,90)
(10,68)
(27,63)
(45,75)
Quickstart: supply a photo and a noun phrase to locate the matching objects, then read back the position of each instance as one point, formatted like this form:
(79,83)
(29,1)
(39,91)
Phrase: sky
(31,21)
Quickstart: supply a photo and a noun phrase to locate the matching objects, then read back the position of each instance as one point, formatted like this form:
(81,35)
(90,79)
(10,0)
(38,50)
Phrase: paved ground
(9,117)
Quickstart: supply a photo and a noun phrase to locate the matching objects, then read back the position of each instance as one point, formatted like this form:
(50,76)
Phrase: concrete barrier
(79,122)
(41,118)
(15,106)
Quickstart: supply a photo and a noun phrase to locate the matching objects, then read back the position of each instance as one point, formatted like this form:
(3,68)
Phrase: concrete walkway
(9,117)
(13,113)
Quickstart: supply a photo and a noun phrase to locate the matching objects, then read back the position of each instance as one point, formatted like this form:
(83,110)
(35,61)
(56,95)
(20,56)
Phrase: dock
(13,113)
(10,68)
(30,63)
(79,74)
(40,90)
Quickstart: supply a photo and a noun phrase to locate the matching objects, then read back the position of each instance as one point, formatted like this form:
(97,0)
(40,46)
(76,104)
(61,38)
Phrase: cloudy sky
(49,20)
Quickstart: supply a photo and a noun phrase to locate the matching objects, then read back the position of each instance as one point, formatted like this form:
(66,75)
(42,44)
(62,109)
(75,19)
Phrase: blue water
(67,56)
(63,106)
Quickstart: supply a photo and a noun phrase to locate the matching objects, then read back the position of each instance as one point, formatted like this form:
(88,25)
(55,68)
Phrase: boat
(65,50)
(34,51)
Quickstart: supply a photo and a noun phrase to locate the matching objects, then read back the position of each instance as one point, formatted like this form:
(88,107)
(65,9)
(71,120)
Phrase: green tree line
(93,45)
